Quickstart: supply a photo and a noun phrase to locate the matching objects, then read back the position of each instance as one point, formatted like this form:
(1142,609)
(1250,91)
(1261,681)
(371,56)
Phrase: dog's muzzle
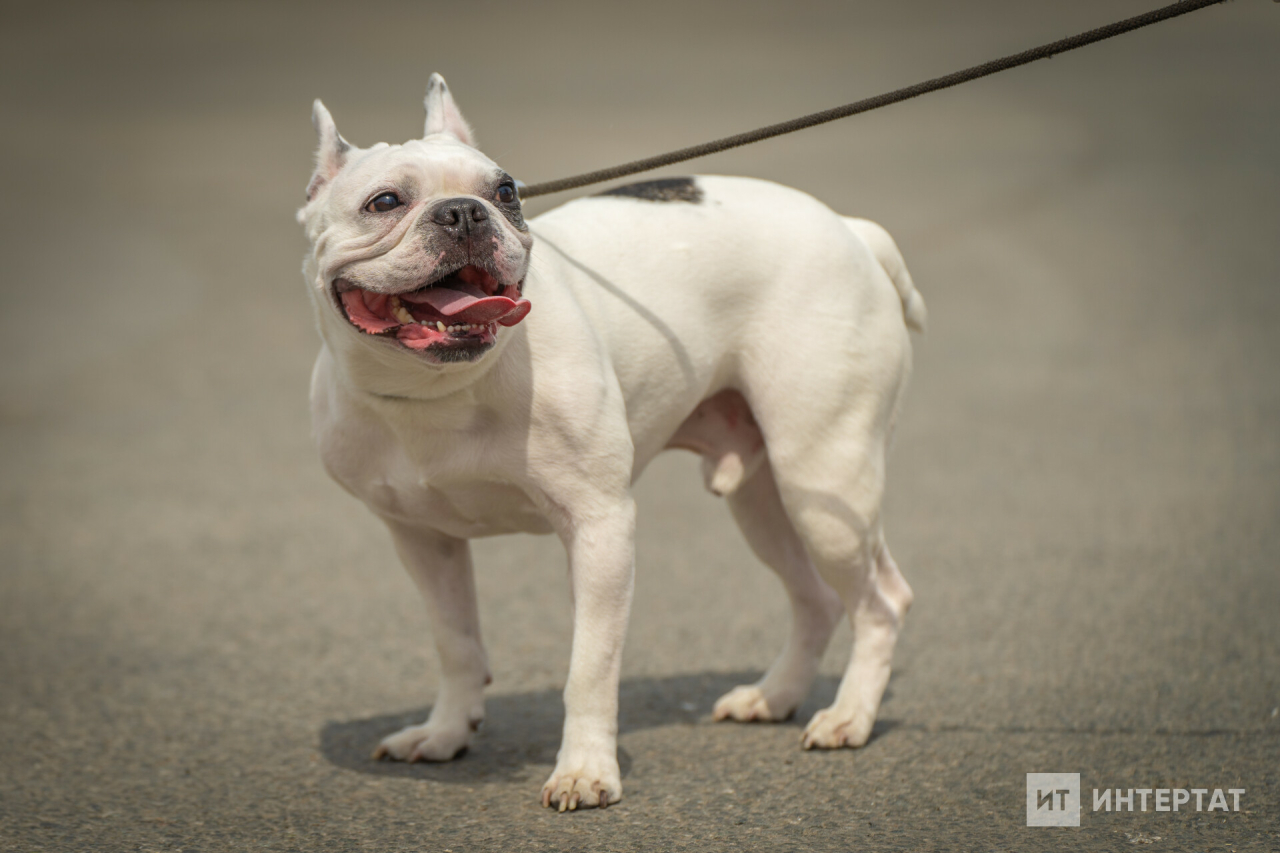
(464,307)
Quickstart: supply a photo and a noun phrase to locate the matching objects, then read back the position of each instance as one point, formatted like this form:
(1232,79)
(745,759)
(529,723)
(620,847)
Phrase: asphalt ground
(202,638)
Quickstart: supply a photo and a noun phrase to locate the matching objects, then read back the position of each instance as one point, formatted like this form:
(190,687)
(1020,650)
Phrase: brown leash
(868,104)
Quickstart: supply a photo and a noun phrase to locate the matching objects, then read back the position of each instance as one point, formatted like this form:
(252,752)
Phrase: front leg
(601,572)
(440,567)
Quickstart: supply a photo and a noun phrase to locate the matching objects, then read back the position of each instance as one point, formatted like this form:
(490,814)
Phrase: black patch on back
(662,189)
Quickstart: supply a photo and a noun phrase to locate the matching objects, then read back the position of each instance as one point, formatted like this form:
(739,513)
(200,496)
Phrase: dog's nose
(458,216)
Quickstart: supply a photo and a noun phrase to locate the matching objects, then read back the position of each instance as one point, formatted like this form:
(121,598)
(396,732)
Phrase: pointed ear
(443,115)
(332,151)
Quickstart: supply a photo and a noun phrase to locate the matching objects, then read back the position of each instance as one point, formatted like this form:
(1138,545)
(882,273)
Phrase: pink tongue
(469,304)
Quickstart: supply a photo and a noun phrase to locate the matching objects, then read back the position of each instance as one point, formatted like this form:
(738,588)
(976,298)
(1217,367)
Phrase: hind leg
(878,600)
(815,606)
(831,482)
(891,582)
(826,401)
(837,517)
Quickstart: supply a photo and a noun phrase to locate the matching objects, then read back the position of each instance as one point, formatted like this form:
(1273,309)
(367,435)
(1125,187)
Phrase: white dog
(482,375)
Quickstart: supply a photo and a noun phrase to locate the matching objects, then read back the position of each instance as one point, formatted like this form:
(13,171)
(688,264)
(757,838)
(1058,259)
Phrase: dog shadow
(522,730)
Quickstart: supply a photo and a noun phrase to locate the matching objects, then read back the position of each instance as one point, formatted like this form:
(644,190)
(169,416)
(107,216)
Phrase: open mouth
(463,308)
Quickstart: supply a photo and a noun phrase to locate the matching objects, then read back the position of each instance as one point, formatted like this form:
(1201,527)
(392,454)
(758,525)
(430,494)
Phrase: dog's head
(418,251)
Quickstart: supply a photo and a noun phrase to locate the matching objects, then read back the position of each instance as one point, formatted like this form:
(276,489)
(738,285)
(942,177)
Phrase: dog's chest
(448,477)
(442,494)
(462,508)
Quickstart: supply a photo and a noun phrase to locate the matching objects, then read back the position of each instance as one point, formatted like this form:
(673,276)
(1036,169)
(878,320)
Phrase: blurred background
(202,638)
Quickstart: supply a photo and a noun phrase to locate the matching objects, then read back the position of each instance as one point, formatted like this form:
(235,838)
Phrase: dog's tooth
(439,326)
(399,310)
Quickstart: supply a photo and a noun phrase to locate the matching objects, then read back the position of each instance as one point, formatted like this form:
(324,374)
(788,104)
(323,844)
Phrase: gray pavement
(201,638)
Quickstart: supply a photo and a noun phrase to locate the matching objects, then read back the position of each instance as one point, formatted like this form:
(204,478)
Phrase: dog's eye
(383,203)
(506,193)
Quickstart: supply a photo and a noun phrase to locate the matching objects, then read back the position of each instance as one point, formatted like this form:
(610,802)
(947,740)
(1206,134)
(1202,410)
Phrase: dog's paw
(586,784)
(427,742)
(832,728)
(751,703)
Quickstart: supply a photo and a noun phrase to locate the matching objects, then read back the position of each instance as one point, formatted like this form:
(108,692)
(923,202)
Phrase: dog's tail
(886,252)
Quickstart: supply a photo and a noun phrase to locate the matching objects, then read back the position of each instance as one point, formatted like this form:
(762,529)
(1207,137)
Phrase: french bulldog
(482,374)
